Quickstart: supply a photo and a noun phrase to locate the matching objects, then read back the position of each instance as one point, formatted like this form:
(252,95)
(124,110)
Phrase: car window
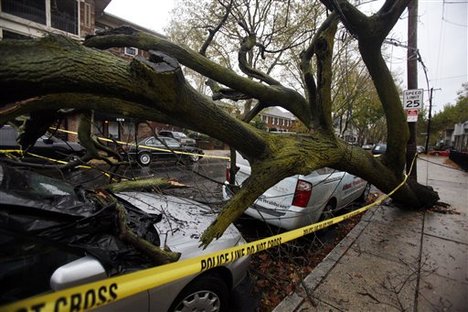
(179,135)
(171,142)
(153,142)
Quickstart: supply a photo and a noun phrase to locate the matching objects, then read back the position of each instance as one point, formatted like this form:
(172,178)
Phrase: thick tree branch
(374,28)
(306,65)
(324,52)
(220,93)
(158,255)
(275,95)
(370,33)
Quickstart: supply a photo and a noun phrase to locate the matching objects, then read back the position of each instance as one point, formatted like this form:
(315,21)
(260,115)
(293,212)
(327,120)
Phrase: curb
(293,301)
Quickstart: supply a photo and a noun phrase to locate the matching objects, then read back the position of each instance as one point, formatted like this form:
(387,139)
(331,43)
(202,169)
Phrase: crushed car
(54,236)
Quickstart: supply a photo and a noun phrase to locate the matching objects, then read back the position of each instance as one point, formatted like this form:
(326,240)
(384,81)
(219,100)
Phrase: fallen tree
(56,73)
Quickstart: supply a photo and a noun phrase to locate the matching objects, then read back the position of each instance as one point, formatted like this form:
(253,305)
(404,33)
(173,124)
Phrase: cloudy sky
(442,40)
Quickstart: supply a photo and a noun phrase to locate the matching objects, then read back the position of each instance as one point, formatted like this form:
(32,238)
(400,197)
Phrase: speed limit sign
(413,99)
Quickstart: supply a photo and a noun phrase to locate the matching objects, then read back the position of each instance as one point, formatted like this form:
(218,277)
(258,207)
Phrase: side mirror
(80,271)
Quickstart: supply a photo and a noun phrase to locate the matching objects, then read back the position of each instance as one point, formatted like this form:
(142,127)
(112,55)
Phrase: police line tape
(149,147)
(96,294)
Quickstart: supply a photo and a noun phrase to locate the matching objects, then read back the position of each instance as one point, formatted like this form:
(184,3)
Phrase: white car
(301,200)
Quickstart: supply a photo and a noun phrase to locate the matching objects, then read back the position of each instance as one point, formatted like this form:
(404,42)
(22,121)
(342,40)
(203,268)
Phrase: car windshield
(34,185)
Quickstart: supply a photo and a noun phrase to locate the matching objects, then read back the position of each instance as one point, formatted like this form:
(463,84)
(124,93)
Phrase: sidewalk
(396,260)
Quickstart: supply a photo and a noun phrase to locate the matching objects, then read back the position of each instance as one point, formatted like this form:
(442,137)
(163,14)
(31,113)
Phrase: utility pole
(412,78)
(428,132)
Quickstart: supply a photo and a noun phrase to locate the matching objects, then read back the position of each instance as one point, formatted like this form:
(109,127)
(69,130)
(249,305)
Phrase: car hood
(182,222)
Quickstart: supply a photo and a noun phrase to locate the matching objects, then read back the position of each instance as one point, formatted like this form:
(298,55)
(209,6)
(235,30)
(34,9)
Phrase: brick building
(278,120)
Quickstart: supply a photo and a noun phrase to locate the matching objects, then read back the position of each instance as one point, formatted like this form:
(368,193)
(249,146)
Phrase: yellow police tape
(150,147)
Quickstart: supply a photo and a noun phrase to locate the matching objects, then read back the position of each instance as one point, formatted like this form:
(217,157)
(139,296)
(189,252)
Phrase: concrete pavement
(396,260)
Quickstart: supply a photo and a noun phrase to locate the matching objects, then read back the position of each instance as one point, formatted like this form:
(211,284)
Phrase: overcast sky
(442,40)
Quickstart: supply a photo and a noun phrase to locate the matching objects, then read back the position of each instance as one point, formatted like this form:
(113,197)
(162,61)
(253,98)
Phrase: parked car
(368,147)
(444,153)
(301,200)
(379,149)
(47,145)
(420,149)
(179,136)
(55,236)
(162,148)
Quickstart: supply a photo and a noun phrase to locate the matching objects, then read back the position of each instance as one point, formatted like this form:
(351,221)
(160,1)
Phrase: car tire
(327,212)
(144,158)
(206,293)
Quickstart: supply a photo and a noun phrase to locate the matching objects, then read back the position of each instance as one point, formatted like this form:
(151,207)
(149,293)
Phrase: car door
(351,188)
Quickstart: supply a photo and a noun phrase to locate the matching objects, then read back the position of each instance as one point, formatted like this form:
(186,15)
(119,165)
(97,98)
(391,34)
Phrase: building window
(64,15)
(130,51)
(33,10)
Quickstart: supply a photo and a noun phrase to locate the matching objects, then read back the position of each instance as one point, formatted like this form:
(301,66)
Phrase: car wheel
(206,293)
(144,158)
(327,212)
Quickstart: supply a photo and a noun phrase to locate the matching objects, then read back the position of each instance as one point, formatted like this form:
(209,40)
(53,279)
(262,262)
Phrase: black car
(162,148)
(46,146)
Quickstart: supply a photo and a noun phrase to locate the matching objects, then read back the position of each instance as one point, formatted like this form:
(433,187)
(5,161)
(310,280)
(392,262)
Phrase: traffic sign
(413,99)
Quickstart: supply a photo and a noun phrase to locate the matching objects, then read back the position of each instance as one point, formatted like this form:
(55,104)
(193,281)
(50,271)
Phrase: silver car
(50,225)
